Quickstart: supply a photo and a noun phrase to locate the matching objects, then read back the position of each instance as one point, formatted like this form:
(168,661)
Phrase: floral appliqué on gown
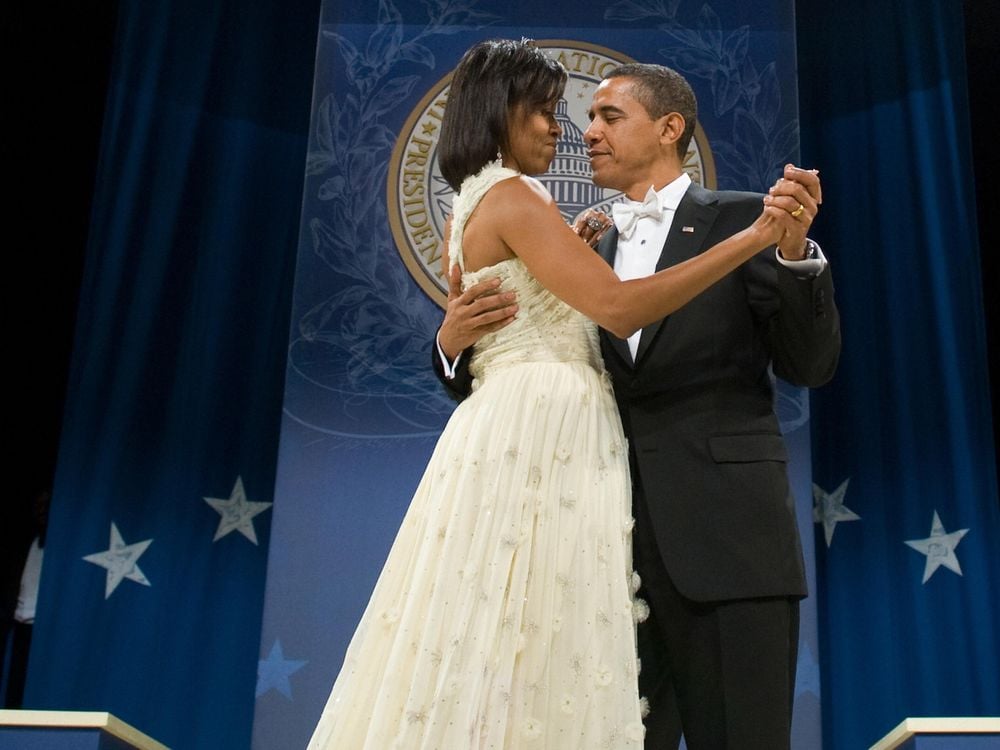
(504,616)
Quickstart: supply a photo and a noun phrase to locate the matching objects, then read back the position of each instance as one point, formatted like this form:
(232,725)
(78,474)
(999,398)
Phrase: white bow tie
(627,214)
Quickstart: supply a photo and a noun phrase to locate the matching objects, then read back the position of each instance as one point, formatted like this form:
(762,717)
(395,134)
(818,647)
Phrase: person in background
(19,615)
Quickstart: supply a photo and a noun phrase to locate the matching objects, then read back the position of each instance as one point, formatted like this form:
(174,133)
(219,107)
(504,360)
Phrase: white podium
(70,730)
(943,733)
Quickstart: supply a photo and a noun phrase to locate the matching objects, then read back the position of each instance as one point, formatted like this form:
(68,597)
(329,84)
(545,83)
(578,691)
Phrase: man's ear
(671,128)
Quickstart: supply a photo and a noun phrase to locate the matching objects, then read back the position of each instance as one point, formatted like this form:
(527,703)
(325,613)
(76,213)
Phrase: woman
(504,616)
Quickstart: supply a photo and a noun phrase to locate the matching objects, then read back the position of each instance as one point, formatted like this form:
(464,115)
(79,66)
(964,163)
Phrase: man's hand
(799,193)
(471,314)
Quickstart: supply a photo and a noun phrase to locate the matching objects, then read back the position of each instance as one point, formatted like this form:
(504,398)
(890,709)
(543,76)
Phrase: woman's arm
(523,215)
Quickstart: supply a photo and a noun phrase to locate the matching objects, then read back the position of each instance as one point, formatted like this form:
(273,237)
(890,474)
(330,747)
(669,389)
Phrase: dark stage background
(58,61)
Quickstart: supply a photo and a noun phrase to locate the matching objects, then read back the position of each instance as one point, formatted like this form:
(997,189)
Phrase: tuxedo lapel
(692,221)
(607,248)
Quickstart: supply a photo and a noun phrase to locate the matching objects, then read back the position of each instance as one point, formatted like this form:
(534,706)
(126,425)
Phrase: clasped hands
(799,194)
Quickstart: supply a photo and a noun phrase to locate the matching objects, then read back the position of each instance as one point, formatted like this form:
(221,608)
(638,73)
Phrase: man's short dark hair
(491,80)
(662,90)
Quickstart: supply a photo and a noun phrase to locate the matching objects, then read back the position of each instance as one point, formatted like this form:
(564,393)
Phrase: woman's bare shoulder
(522,191)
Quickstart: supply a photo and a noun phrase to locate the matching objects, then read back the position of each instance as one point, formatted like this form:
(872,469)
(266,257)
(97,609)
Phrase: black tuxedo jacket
(698,407)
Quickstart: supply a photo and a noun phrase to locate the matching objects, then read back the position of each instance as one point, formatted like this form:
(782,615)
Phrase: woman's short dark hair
(491,79)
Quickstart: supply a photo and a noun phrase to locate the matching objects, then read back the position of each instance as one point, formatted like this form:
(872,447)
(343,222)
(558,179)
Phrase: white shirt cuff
(812,265)
(449,367)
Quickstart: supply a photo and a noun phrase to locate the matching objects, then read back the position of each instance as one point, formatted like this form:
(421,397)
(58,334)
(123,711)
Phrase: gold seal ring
(798,211)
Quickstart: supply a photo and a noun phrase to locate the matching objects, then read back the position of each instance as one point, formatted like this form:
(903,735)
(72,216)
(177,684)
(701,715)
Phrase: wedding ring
(594,223)
(798,211)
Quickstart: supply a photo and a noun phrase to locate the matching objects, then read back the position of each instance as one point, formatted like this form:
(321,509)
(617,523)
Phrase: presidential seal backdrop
(419,198)
(362,408)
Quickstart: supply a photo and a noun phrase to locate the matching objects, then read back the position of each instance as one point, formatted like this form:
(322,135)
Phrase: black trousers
(723,673)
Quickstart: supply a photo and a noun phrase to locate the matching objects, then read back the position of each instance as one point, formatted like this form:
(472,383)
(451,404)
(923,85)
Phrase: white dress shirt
(636,256)
(31,576)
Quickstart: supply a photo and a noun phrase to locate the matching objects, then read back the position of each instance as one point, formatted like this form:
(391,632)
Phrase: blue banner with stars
(906,502)
(154,560)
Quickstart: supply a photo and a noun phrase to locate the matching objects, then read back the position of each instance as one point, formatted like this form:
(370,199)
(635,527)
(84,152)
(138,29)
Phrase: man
(715,541)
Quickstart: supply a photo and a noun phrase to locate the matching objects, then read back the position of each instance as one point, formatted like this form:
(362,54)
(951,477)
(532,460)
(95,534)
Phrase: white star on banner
(829,509)
(274,671)
(120,561)
(939,548)
(236,513)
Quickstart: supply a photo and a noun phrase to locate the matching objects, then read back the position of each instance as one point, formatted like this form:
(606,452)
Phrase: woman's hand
(592,225)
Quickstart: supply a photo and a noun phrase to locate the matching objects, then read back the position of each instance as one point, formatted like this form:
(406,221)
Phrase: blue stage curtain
(903,435)
(175,386)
